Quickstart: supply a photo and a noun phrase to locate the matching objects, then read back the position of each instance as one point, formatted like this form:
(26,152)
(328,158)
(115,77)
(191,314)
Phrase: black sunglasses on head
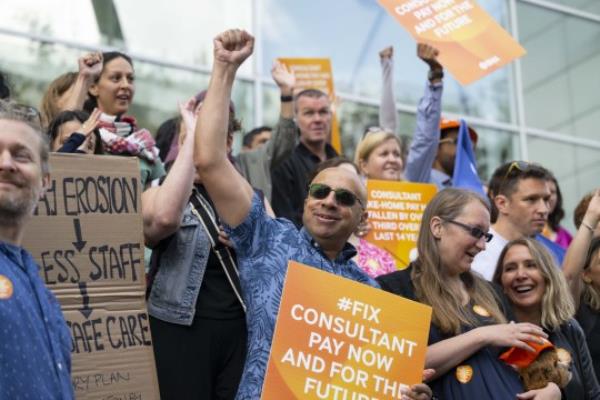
(472,230)
(343,197)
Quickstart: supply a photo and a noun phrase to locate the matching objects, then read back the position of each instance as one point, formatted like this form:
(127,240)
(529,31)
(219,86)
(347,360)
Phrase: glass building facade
(543,108)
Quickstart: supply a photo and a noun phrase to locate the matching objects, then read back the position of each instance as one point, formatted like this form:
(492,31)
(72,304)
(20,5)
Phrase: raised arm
(163,206)
(230,192)
(573,263)
(424,146)
(388,117)
(90,67)
(283,140)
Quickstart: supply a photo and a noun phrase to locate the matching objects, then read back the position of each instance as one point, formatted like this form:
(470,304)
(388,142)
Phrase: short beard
(14,210)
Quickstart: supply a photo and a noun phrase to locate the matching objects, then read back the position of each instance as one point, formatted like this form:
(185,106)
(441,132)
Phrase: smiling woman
(468,324)
(112,93)
(538,294)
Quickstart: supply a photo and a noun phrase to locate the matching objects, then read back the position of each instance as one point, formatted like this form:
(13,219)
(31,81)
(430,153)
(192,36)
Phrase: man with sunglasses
(35,343)
(519,193)
(332,211)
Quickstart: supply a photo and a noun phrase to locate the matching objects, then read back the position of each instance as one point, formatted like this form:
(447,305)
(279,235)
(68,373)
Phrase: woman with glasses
(538,294)
(468,326)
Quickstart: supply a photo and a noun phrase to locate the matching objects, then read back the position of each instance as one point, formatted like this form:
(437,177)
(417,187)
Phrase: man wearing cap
(35,344)
(433,150)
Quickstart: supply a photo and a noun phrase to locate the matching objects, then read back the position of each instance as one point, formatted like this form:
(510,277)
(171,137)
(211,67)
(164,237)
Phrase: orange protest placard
(470,42)
(339,339)
(315,73)
(395,212)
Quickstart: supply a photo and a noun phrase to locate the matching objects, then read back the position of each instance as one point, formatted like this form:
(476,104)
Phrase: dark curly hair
(558,213)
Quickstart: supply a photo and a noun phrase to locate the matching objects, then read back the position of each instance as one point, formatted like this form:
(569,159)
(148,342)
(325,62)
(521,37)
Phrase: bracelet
(583,223)
(286,98)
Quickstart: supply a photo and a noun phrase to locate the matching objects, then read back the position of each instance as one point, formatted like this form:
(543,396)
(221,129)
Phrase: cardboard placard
(337,338)
(86,235)
(315,73)
(471,43)
(395,211)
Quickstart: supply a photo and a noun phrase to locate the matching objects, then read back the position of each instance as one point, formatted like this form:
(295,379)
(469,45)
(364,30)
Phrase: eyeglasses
(376,129)
(473,230)
(343,197)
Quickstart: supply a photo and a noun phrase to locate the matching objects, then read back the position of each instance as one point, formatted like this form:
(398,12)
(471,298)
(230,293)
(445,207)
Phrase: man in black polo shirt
(290,180)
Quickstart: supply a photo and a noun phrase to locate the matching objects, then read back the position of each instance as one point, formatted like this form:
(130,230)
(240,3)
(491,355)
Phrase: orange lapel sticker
(481,311)
(464,373)
(6,288)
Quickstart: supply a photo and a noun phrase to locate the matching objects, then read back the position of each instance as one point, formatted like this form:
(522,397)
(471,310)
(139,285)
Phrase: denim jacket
(179,277)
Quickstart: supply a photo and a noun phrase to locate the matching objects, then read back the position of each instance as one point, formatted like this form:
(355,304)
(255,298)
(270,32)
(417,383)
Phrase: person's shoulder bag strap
(204,212)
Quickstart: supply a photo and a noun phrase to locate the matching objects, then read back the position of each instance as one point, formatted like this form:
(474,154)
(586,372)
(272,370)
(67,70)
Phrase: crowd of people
(499,272)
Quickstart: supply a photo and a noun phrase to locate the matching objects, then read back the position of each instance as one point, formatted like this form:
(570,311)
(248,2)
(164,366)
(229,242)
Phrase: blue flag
(557,251)
(465,166)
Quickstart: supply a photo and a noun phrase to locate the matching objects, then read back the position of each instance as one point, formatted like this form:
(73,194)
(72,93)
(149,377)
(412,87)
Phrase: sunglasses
(343,197)
(472,230)
(522,166)
(453,141)
(376,129)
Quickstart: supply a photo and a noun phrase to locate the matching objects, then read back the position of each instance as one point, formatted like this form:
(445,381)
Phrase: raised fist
(429,55)
(386,53)
(233,47)
(90,65)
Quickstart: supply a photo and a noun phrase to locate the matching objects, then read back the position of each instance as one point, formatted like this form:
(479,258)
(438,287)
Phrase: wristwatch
(286,98)
(435,74)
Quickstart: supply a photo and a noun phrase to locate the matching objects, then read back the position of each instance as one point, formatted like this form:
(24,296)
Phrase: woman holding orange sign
(468,326)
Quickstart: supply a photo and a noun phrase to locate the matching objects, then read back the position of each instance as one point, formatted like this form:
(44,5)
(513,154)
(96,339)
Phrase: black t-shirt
(590,323)
(216,299)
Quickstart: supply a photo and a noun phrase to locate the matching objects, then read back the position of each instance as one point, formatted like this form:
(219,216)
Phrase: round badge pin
(481,311)
(464,373)
(6,288)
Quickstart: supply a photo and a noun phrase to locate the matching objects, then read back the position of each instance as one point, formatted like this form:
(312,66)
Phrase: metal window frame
(258,81)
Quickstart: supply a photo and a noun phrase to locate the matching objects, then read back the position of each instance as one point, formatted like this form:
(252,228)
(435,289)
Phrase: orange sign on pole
(339,339)
(395,212)
(470,42)
(315,73)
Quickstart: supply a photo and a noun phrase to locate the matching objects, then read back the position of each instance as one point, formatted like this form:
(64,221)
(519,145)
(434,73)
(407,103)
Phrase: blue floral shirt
(35,343)
(264,246)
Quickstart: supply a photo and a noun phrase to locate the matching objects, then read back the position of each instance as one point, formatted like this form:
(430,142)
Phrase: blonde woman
(538,294)
(379,155)
(468,326)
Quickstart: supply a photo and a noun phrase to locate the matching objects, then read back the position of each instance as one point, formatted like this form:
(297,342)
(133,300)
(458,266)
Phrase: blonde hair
(370,142)
(449,314)
(49,108)
(557,303)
